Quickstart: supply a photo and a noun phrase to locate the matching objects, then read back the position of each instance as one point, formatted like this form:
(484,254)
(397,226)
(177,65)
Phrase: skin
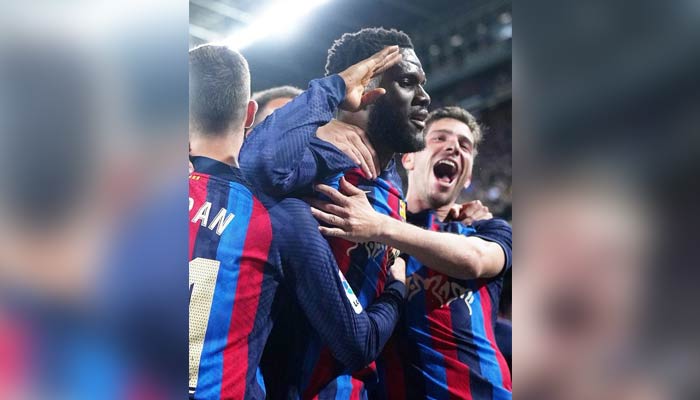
(394,122)
(269,108)
(226,147)
(449,139)
(455,255)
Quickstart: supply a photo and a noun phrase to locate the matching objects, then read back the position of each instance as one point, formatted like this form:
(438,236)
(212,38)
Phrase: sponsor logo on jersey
(441,288)
(350,294)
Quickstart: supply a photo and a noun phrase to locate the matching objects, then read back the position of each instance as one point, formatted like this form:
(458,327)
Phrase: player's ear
(407,161)
(468,182)
(469,179)
(250,113)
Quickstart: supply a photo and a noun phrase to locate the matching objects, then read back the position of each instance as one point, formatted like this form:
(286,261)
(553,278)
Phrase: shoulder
(494,226)
(291,215)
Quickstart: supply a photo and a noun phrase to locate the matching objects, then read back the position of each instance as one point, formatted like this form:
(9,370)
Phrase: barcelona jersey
(249,256)
(446,342)
(232,283)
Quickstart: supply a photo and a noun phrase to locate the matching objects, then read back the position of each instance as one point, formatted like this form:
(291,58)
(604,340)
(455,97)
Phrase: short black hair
(352,48)
(219,88)
(265,96)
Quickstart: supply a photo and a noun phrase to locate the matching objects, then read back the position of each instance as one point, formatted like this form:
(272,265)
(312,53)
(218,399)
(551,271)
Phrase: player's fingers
(364,164)
(367,67)
(348,188)
(333,232)
(328,207)
(454,212)
(368,155)
(350,152)
(329,219)
(398,262)
(375,158)
(389,62)
(482,214)
(335,196)
(380,58)
(371,96)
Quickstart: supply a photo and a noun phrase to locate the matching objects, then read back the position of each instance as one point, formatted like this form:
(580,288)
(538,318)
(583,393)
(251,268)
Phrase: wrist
(386,228)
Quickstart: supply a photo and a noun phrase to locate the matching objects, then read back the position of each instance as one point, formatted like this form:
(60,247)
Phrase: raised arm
(283,154)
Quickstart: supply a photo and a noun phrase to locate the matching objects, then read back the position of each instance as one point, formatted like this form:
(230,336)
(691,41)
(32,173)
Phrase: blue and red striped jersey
(446,345)
(232,283)
(282,156)
(243,250)
(366,267)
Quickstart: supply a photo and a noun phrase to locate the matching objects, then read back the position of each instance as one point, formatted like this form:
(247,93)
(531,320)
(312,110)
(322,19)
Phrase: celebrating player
(245,254)
(455,272)
(288,161)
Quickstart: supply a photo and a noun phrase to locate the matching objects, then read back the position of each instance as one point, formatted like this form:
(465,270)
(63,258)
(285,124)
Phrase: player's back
(232,283)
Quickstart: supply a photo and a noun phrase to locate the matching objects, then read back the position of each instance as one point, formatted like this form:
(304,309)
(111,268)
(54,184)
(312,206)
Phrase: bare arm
(354,219)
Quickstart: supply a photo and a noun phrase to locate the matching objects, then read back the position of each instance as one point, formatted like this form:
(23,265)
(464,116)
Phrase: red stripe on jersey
(356,388)
(321,375)
(341,252)
(393,371)
(255,254)
(440,323)
(198,192)
(490,335)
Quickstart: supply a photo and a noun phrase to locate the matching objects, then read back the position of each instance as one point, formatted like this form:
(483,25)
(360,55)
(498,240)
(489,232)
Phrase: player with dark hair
(447,345)
(271,99)
(244,250)
(288,161)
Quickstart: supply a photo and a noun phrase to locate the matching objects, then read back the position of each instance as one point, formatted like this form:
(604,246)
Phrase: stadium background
(465,48)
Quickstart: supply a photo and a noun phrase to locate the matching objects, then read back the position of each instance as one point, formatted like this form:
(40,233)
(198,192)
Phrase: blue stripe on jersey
(343,387)
(259,379)
(433,361)
(487,357)
(462,324)
(311,353)
(368,292)
(230,248)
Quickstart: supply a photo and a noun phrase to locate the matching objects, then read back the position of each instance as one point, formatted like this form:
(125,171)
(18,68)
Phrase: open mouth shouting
(446,172)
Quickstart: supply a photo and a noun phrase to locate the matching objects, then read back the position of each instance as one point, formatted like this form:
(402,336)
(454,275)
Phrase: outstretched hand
(470,212)
(349,212)
(358,76)
(354,142)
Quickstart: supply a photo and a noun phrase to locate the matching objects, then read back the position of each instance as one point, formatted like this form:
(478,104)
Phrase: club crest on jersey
(220,222)
(402,209)
(441,288)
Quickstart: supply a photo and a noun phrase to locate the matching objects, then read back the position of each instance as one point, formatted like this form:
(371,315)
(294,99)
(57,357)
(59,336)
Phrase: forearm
(282,154)
(451,254)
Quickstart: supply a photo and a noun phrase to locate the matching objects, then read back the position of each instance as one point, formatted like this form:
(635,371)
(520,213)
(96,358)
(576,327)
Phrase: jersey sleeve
(497,231)
(283,155)
(354,335)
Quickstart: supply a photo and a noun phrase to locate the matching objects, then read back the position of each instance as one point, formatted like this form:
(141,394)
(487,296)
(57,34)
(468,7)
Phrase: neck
(224,148)
(416,204)
(359,119)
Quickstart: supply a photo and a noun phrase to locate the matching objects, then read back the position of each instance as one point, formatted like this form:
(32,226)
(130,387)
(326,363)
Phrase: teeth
(448,162)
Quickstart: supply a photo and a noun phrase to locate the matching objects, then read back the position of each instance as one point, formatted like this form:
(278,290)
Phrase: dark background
(465,48)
